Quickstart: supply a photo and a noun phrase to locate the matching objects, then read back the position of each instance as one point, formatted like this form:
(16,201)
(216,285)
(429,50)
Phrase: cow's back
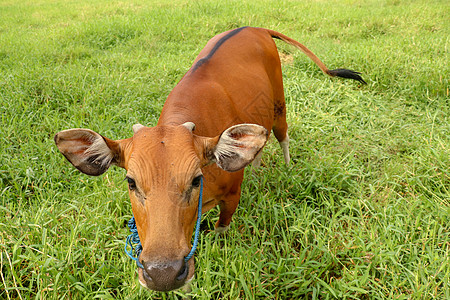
(233,80)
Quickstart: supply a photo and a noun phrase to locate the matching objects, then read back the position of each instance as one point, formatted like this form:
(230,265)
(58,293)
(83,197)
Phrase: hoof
(221,230)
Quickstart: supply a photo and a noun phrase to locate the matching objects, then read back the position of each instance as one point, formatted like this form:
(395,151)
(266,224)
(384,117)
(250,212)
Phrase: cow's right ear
(88,151)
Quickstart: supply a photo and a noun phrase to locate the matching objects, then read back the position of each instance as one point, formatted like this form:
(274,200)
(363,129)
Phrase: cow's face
(164,168)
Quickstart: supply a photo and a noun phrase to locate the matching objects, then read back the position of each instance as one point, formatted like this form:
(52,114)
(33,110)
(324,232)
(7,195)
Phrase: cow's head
(164,166)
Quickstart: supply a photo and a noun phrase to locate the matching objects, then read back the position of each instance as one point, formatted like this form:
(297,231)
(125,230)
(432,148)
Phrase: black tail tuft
(344,73)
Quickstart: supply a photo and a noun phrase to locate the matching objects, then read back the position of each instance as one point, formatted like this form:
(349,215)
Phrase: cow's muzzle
(165,276)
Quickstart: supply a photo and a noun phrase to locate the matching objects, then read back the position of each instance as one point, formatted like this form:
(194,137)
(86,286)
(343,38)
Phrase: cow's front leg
(227,208)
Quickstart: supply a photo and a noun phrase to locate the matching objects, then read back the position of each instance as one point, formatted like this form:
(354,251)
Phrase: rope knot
(133,238)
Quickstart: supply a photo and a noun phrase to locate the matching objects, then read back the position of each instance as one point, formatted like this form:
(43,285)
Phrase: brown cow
(234,83)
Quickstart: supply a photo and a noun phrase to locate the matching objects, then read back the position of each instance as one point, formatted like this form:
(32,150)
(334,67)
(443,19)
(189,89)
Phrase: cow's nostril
(147,276)
(183,272)
(165,276)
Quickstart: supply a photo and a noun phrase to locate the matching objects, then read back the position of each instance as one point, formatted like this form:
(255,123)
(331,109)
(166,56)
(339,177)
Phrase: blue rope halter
(133,238)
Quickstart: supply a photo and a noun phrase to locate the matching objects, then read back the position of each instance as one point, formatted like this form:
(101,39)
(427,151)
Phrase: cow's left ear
(88,151)
(236,147)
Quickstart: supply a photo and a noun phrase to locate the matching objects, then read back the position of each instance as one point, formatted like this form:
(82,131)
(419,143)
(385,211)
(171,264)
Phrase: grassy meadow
(362,212)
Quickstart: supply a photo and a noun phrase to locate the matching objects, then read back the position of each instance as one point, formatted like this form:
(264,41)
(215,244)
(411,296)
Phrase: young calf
(233,93)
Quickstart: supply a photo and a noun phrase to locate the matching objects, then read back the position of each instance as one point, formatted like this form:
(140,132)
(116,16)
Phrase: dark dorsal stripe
(216,47)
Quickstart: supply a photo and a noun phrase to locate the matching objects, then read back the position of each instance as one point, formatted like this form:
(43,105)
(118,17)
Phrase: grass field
(362,212)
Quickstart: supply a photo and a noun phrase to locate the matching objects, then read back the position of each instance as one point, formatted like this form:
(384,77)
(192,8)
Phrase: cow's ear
(88,151)
(236,147)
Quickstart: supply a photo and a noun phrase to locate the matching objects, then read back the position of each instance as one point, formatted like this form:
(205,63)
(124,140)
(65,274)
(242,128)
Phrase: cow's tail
(344,73)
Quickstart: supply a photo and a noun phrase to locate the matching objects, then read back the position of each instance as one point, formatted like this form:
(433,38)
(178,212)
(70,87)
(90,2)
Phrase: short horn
(137,127)
(189,125)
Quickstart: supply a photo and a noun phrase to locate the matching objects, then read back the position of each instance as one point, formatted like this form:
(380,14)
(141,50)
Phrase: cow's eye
(131,183)
(196,181)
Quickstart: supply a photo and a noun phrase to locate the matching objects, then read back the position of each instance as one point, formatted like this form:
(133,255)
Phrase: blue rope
(197,226)
(133,238)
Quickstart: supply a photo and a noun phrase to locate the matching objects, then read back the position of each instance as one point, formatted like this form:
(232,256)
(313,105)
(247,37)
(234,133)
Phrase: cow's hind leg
(280,129)
(256,163)
(285,147)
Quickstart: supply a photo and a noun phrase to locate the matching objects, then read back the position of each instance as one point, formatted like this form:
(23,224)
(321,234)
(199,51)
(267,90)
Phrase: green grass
(363,211)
